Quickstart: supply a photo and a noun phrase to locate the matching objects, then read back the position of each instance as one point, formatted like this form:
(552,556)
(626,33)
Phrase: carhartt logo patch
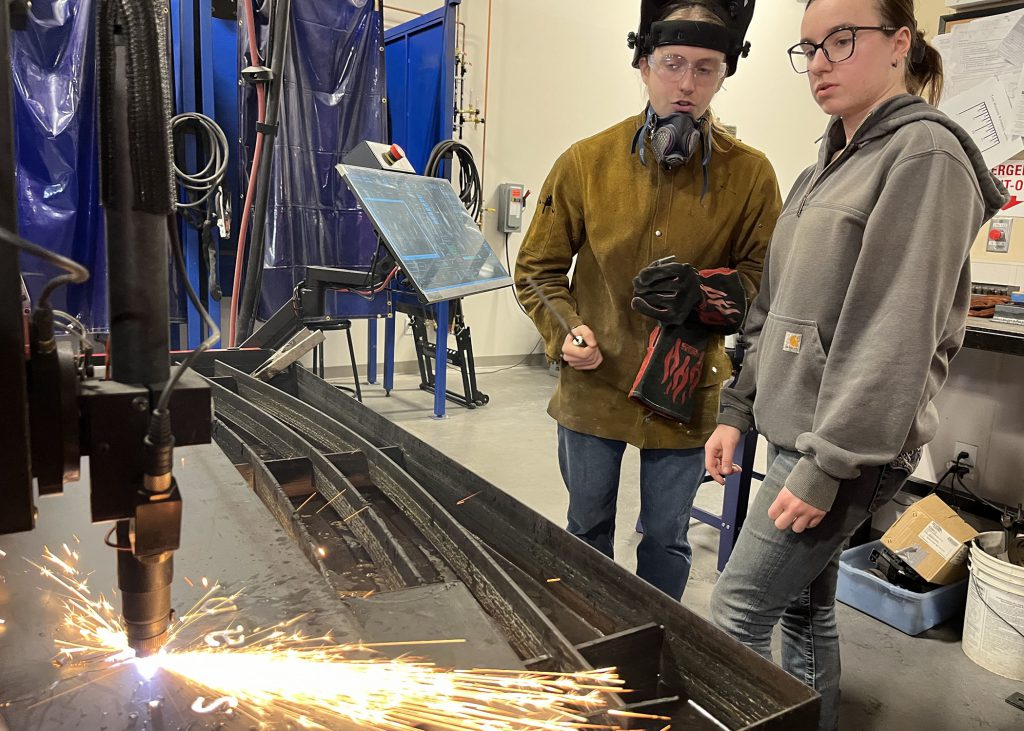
(793,342)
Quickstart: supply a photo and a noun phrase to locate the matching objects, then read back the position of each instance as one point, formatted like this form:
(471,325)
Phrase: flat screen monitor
(427,229)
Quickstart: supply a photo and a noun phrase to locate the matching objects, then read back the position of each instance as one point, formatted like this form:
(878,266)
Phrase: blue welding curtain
(53,65)
(333,97)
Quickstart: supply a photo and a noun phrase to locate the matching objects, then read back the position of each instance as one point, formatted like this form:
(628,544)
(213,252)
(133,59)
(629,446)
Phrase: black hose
(148,104)
(279,29)
(470,189)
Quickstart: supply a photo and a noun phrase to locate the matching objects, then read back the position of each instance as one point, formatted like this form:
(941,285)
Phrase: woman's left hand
(789,511)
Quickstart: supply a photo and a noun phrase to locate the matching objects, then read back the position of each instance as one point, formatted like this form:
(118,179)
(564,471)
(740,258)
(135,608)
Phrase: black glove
(668,378)
(667,291)
(723,302)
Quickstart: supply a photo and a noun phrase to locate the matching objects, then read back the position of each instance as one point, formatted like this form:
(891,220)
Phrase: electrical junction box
(999,235)
(510,207)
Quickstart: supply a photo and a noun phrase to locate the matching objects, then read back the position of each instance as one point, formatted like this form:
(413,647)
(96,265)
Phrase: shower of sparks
(277,672)
(322,685)
(92,628)
(466,499)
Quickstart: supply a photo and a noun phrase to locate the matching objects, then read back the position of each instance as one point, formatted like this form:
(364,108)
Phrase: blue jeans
(781,577)
(669,479)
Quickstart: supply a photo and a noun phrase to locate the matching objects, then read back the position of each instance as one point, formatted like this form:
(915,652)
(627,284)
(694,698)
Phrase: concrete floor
(890,680)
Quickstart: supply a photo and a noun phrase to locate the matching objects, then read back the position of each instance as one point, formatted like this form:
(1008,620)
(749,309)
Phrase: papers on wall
(984,89)
(986,114)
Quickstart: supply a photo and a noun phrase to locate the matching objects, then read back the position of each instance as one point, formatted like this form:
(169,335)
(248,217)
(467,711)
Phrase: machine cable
(206,204)
(211,339)
(470,189)
(203,184)
(245,306)
(43,314)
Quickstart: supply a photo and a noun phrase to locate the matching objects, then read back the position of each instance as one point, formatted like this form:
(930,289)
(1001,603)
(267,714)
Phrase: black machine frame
(16,486)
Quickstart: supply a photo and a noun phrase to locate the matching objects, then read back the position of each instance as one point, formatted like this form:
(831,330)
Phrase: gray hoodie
(865,296)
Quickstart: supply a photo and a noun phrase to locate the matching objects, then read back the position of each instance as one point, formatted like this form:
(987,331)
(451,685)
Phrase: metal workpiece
(698,661)
(527,628)
(290,352)
(562,592)
(394,569)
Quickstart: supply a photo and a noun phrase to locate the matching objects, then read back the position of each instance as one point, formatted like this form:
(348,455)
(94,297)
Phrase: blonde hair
(721,139)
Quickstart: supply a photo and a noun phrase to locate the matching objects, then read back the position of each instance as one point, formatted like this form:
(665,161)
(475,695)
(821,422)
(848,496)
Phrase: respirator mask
(674,139)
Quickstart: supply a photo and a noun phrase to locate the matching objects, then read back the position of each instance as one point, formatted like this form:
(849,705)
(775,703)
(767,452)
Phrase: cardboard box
(933,539)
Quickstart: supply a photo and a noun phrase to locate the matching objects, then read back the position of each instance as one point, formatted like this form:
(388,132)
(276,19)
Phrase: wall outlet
(971,460)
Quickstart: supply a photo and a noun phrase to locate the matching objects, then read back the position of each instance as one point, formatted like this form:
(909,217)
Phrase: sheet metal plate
(229,537)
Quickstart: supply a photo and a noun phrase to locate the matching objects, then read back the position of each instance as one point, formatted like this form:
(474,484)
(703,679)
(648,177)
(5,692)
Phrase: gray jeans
(784,577)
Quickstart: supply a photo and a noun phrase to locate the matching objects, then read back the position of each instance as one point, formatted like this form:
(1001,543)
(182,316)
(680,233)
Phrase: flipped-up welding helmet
(652,33)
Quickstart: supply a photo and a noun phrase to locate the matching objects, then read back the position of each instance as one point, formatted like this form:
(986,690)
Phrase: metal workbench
(996,337)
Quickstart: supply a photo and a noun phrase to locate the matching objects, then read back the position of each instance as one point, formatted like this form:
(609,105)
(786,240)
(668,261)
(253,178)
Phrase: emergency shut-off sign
(1011,174)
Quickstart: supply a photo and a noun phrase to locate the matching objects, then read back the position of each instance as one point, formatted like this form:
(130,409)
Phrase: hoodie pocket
(790,365)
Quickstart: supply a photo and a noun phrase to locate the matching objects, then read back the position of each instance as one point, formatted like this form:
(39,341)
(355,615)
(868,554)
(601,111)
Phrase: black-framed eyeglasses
(837,46)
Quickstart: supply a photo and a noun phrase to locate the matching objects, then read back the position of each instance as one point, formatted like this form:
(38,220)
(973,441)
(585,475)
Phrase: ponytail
(924,69)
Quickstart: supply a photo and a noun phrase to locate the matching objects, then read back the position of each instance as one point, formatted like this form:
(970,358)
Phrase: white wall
(560,71)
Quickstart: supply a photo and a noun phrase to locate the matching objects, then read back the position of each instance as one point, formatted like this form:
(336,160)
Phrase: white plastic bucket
(994,619)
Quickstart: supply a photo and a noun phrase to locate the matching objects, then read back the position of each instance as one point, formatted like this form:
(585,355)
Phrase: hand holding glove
(666,291)
(674,293)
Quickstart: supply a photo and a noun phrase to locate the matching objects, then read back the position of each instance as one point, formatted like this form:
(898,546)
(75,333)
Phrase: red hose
(243,229)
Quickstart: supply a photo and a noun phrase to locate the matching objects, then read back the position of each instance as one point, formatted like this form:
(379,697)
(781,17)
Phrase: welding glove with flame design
(674,293)
(689,306)
(666,291)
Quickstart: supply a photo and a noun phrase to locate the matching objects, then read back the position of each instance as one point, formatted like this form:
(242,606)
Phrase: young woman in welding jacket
(863,304)
(614,203)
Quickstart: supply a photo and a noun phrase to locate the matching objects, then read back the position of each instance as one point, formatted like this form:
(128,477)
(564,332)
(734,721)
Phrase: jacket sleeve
(738,399)
(756,225)
(555,235)
(907,293)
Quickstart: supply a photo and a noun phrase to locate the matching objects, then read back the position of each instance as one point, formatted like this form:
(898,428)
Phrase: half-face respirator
(674,139)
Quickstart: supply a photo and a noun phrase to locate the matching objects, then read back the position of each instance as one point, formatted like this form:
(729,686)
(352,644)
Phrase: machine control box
(511,200)
(378,156)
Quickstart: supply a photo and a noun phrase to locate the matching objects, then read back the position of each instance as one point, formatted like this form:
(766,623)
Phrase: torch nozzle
(145,584)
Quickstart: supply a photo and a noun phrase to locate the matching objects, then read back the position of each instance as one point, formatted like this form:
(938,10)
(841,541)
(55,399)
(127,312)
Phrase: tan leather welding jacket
(602,207)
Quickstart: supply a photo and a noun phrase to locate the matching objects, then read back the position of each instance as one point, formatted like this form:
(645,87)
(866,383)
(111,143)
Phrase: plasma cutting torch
(54,409)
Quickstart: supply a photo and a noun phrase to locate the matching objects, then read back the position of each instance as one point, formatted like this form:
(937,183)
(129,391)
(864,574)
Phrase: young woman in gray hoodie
(863,304)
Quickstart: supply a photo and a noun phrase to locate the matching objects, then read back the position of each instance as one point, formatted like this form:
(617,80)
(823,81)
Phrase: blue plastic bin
(905,610)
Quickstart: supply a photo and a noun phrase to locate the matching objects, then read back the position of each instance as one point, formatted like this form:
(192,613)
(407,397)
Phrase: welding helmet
(728,39)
